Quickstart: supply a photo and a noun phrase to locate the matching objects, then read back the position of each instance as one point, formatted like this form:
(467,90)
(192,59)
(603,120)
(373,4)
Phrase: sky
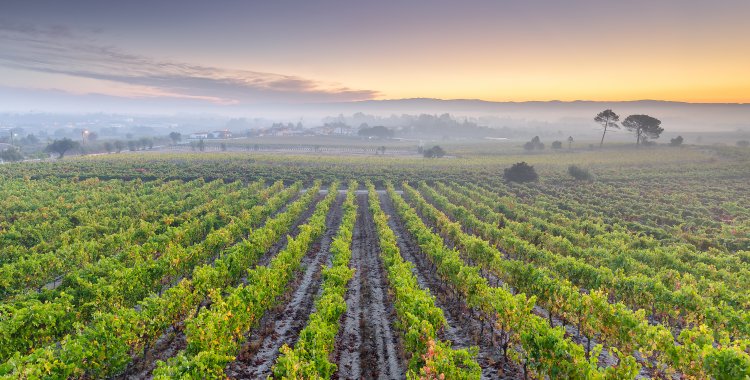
(229,53)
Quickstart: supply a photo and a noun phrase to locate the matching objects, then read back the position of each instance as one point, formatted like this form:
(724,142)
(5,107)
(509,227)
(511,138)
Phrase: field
(251,265)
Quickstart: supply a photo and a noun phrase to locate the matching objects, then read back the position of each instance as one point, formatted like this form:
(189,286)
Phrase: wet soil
(283,324)
(368,345)
(174,340)
(464,330)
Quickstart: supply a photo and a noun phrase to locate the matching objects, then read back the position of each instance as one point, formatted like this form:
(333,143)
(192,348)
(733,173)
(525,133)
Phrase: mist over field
(472,118)
(681,116)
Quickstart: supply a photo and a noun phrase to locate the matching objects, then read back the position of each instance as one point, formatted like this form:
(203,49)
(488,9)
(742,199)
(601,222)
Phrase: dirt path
(463,331)
(368,346)
(282,325)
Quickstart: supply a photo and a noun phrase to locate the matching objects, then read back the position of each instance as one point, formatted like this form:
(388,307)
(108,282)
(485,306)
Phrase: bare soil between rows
(283,324)
(368,345)
(605,359)
(464,329)
(174,340)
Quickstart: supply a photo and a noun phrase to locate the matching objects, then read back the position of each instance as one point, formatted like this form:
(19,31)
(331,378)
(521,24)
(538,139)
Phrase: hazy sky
(235,52)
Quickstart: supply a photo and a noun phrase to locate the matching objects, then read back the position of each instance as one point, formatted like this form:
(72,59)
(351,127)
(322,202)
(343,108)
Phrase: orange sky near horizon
(285,51)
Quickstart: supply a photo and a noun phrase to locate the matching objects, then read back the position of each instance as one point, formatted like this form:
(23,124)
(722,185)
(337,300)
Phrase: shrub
(534,144)
(11,155)
(520,172)
(434,152)
(646,142)
(579,173)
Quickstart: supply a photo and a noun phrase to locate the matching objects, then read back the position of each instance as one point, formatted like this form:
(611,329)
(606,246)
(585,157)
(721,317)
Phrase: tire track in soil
(368,345)
(463,331)
(174,340)
(283,324)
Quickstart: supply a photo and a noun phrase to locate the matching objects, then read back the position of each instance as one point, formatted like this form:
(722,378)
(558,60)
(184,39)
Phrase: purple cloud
(58,50)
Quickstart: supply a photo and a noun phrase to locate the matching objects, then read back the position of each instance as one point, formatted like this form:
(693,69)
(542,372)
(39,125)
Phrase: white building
(198,135)
(225,134)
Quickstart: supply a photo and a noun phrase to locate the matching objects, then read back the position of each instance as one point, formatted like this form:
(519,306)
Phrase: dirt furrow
(281,243)
(606,359)
(349,337)
(174,340)
(368,347)
(283,324)
(463,331)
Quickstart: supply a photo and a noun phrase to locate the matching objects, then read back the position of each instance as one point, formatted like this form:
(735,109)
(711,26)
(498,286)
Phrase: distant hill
(676,116)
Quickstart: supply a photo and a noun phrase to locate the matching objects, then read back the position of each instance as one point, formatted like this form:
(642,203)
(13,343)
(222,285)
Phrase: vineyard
(255,266)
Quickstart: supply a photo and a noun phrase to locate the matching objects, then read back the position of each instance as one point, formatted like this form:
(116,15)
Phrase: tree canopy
(644,127)
(534,144)
(608,119)
(175,137)
(434,152)
(62,146)
(11,155)
(376,131)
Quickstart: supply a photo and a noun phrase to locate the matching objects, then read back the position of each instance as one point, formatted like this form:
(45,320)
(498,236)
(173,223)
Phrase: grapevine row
(36,269)
(637,291)
(109,284)
(524,337)
(616,325)
(44,217)
(678,256)
(310,357)
(215,334)
(418,316)
(107,344)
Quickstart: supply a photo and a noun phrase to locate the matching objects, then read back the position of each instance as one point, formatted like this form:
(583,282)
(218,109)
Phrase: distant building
(198,135)
(344,130)
(225,134)
(333,130)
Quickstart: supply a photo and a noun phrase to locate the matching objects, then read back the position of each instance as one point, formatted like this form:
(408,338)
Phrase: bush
(520,172)
(743,143)
(534,144)
(557,144)
(677,141)
(434,152)
(646,142)
(377,131)
(11,155)
(579,173)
